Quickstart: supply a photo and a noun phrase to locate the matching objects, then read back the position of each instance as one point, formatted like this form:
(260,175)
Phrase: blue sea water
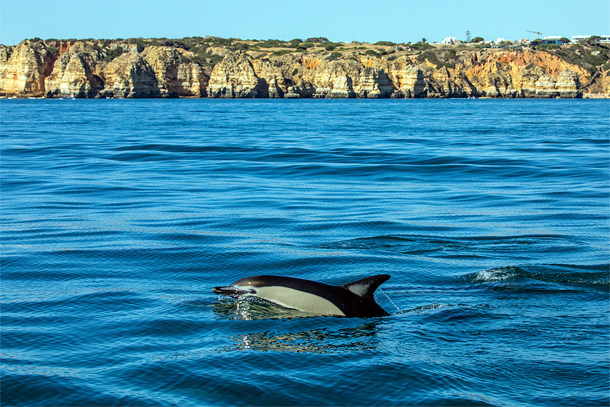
(119,216)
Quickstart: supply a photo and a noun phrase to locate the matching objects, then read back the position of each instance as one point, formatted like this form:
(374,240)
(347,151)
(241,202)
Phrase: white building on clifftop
(603,39)
(579,38)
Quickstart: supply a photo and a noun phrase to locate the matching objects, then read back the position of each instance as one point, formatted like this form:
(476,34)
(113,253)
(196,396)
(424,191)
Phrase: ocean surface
(119,216)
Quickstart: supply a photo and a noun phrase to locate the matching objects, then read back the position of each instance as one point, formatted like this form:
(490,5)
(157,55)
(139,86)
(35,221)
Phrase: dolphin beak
(230,290)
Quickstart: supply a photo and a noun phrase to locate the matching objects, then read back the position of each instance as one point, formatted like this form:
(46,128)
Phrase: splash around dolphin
(353,299)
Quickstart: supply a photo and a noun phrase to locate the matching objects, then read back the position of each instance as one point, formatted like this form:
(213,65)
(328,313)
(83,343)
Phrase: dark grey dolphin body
(350,300)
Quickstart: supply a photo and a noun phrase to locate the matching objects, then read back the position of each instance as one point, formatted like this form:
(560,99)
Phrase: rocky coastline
(234,69)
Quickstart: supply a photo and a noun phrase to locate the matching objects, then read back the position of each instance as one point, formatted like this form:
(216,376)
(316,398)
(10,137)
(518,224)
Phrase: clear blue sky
(343,20)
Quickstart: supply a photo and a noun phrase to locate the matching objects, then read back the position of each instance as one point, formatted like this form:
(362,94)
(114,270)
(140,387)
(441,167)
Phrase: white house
(579,38)
(604,39)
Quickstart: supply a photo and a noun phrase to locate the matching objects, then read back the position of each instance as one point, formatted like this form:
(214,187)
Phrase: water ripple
(119,216)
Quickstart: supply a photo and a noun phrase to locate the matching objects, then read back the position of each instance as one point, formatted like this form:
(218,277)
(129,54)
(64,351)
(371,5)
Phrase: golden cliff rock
(74,73)
(90,68)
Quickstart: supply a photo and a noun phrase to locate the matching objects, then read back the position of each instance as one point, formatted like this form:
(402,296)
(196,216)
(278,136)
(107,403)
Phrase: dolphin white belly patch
(302,301)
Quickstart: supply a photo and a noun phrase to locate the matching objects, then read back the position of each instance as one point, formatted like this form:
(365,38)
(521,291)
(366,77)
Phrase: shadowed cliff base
(212,67)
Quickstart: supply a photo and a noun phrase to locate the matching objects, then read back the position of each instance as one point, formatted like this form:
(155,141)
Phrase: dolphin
(348,300)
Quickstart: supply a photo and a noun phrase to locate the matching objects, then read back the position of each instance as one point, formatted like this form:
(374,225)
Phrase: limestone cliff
(524,74)
(410,83)
(23,69)
(130,76)
(74,73)
(235,77)
(606,82)
(274,76)
(176,75)
(92,68)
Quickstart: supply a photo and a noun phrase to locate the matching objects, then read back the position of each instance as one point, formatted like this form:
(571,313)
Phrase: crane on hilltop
(535,32)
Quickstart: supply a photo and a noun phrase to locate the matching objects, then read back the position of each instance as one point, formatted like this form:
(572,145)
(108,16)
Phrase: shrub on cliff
(594,40)
(591,59)
(239,46)
(546,47)
(199,50)
(433,58)
(213,59)
(317,39)
(140,41)
(281,52)
(175,44)
(334,56)
(421,46)
(200,60)
(113,53)
(595,58)
(217,41)
(302,47)
(271,44)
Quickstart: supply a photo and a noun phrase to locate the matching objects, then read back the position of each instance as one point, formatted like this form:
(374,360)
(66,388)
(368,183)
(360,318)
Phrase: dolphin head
(245,286)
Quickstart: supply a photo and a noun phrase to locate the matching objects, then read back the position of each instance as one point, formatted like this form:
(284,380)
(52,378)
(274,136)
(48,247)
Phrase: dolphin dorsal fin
(366,286)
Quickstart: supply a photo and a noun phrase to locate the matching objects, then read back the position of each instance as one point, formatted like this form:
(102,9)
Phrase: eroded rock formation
(235,77)
(130,76)
(74,73)
(84,69)
(23,69)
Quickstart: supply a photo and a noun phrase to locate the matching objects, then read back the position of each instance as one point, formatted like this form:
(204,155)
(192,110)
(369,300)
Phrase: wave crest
(562,274)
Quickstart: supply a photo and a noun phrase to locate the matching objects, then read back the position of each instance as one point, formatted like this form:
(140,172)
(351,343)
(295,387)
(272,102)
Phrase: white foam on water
(384,298)
(496,274)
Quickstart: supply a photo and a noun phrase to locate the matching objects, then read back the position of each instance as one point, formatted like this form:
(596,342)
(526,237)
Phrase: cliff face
(525,74)
(23,69)
(176,75)
(84,69)
(74,73)
(81,69)
(130,76)
(235,77)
